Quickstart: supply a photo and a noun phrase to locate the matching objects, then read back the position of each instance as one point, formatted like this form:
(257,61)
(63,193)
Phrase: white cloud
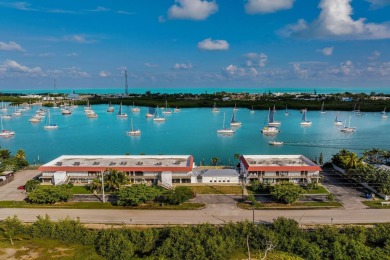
(11,67)
(72,54)
(125,12)
(104,74)
(10,46)
(213,45)
(267,6)
(150,65)
(192,9)
(76,38)
(335,22)
(327,51)
(256,59)
(374,55)
(182,66)
(100,9)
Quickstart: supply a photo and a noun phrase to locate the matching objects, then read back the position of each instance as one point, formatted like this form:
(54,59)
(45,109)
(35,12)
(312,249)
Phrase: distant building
(275,168)
(347,99)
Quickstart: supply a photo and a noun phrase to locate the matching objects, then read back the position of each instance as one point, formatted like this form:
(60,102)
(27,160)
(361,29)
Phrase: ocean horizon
(201,90)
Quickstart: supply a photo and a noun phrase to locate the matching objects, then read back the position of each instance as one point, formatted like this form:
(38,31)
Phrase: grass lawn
(295,205)
(271,255)
(319,190)
(46,249)
(375,204)
(97,205)
(80,190)
(234,189)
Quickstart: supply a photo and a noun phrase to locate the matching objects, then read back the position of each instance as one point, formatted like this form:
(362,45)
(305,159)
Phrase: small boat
(120,114)
(286,113)
(384,116)
(234,122)
(270,130)
(151,112)
(176,110)
(215,108)
(157,117)
(5,133)
(252,110)
(6,116)
(50,125)
(133,132)
(271,118)
(110,108)
(87,107)
(166,110)
(337,121)
(66,111)
(35,119)
(235,107)
(92,114)
(135,109)
(18,112)
(304,121)
(322,109)
(348,129)
(275,143)
(3,107)
(225,131)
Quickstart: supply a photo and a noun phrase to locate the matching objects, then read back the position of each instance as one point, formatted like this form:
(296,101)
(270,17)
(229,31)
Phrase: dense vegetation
(50,194)
(12,163)
(364,169)
(211,242)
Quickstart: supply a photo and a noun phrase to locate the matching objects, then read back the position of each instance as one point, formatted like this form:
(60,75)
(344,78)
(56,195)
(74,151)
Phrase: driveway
(347,192)
(10,191)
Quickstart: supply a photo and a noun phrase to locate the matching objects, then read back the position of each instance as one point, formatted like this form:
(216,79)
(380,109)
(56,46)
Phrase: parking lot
(10,191)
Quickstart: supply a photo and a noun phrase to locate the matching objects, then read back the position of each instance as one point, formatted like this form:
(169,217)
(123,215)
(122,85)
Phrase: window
(228,180)
(211,180)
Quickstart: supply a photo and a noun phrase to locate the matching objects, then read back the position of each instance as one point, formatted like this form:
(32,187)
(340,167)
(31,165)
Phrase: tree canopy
(286,191)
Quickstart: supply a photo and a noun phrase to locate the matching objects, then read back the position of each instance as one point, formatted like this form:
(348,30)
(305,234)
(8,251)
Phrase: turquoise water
(191,131)
(203,90)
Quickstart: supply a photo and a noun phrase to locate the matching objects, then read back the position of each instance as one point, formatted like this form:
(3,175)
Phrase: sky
(194,44)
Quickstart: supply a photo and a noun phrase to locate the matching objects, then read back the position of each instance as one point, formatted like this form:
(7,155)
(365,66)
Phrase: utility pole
(126,85)
(103,196)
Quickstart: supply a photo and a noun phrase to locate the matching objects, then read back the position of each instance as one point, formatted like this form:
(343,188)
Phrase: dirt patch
(22,253)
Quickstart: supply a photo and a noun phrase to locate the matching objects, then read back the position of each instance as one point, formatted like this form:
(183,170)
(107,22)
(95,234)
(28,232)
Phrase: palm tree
(214,161)
(5,153)
(96,185)
(114,179)
(20,154)
(352,161)
(237,156)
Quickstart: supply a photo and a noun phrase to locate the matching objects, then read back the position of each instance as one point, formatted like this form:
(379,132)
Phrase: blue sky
(195,43)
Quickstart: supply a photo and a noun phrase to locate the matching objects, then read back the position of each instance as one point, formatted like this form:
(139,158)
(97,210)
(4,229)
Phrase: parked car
(21,187)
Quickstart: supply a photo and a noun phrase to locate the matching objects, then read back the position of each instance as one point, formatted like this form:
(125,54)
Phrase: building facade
(271,169)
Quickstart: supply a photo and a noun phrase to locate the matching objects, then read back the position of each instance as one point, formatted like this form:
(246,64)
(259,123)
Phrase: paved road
(10,191)
(213,214)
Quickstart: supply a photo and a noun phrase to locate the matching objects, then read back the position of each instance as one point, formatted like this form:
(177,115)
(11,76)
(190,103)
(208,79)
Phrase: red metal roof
(282,168)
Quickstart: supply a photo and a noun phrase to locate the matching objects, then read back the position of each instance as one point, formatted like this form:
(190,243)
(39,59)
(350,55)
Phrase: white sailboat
(120,113)
(176,110)
(49,124)
(215,108)
(157,117)
(5,133)
(304,121)
(234,122)
(166,110)
(322,108)
(269,130)
(286,113)
(6,116)
(384,116)
(225,131)
(151,112)
(348,129)
(133,132)
(235,107)
(3,107)
(252,110)
(110,108)
(66,111)
(275,142)
(271,119)
(337,121)
(87,107)
(17,112)
(135,109)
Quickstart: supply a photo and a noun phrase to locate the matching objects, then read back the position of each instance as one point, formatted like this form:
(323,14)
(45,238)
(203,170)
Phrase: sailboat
(225,131)
(271,119)
(110,108)
(87,107)
(269,130)
(286,113)
(166,110)
(135,109)
(348,129)
(157,117)
(3,107)
(151,112)
(215,108)
(234,122)
(337,121)
(384,116)
(50,125)
(235,107)
(252,110)
(304,121)
(120,113)
(5,133)
(17,112)
(66,111)
(322,109)
(133,132)
(176,110)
